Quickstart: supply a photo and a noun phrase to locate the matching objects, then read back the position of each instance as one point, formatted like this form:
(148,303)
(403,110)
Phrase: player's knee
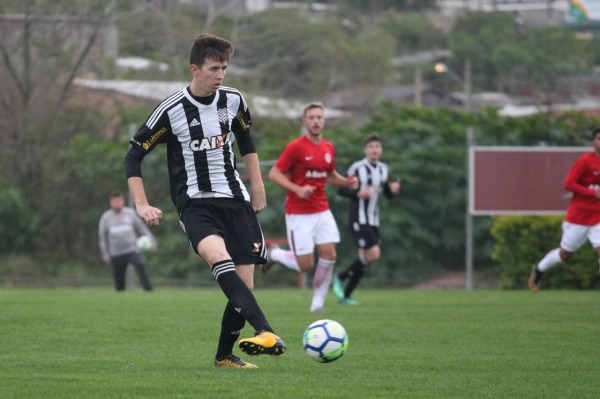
(565,255)
(305,267)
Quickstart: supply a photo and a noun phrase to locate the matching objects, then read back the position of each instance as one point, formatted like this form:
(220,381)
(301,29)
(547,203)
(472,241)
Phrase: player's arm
(141,144)
(571,182)
(281,179)
(391,188)
(103,240)
(335,179)
(258,198)
(240,127)
(347,192)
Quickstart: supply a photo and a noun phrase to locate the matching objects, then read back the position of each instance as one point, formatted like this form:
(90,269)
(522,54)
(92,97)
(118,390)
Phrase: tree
(40,56)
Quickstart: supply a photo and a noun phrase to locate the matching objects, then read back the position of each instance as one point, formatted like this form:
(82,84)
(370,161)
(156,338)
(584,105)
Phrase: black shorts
(232,219)
(365,235)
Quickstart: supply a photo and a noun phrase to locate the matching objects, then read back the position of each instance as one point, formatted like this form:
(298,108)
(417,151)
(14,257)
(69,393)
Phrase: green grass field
(95,343)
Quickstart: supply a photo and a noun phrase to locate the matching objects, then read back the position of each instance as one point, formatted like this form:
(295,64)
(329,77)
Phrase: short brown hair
(207,46)
(313,105)
(371,138)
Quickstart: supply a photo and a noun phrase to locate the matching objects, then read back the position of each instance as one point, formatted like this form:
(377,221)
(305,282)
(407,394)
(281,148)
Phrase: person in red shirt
(583,214)
(305,165)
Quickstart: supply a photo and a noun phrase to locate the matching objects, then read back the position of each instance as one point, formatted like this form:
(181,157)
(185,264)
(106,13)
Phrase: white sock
(321,283)
(286,258)
(551,259)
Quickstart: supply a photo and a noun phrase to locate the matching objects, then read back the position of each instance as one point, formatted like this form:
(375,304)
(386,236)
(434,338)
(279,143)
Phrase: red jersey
(307,163)
(583,180)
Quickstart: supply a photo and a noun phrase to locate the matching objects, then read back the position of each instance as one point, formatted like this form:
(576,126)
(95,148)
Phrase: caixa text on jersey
(211,143)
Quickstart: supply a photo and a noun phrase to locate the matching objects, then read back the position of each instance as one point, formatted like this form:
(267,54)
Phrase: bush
(523,240)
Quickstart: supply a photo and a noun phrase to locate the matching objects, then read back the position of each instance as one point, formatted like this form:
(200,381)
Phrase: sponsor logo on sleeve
(148,143)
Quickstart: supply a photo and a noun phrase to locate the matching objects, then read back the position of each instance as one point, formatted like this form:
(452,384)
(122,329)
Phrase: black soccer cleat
(534,279)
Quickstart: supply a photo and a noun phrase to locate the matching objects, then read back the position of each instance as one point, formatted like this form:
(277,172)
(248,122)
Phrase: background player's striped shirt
(366,210)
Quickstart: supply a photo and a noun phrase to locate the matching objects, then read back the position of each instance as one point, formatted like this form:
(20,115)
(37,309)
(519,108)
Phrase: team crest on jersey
(328,157)
(211,143)
(223,116)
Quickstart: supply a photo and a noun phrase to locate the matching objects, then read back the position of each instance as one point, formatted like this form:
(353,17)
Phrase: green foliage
(19,223)
(522,241)
(411,32)
(507,59)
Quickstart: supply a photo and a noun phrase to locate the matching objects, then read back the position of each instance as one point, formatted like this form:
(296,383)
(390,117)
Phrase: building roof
(159,90)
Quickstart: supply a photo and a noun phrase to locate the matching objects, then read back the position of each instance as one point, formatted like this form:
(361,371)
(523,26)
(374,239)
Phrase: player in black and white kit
(373,177)
(199,124)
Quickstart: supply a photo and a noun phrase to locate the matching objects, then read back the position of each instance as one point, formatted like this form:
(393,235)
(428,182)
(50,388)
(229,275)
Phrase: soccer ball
(144,243)
(325,340)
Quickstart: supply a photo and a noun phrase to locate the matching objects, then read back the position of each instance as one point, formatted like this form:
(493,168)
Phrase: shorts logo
(257,247)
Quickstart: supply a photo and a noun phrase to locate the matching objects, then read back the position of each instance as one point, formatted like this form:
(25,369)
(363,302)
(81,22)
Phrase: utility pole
(467,83)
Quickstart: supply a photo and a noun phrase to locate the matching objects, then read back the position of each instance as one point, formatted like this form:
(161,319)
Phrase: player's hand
(150,214)
(365,192)
(352,182)
(395,186)
(107,260)
(305,192)
(258,200)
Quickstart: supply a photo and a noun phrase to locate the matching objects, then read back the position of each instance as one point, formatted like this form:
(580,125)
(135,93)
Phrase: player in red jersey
(583,214)
(305,165)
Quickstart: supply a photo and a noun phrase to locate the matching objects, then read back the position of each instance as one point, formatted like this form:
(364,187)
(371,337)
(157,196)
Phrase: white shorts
(574,236)
(307,230)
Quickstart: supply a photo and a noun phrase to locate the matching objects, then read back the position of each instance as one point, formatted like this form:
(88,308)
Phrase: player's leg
(367,238)
(323,276)
(212,249)
(301,242)
(140,267)
(208,226)
(119,267)
(326,236)
(340,278)
(594,238)
(573,237)
(231,325)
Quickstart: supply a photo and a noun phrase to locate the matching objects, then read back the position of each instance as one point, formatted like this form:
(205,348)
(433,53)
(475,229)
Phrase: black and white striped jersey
(199,133)
(366,210)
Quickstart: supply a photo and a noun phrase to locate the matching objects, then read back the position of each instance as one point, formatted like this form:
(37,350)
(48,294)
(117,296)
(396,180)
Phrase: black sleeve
(240,127)
(142,143)
(387,191)
(347,192)
(133,161)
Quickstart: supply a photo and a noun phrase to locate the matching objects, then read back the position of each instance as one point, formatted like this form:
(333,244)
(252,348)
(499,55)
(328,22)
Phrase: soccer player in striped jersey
(373,177)
(199,125)
(582,221)
(305,165)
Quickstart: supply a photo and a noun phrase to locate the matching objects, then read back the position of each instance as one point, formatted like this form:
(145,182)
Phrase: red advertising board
(519,180)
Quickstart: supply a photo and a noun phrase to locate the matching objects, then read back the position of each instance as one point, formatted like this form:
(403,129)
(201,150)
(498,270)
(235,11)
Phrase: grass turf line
(95,343)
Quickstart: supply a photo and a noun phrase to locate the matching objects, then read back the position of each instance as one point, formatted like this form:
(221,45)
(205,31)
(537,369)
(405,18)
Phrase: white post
(469,219)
